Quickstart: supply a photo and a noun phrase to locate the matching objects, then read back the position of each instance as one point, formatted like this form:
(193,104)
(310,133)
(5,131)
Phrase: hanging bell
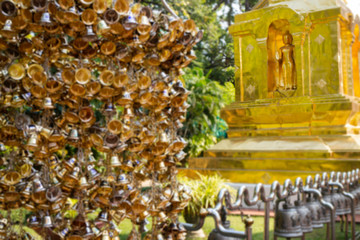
(8,8)
(64,232)
(105,235)
(103,216)
(127,166)
(162,217)
(72,179)
(46,19)
(93,173)
(53,194)
(144,26)
(2,147)
(305,217)
(111,16)
(37,185)
(27,191)
(74,135)
(287,222)
(70,163)
(8,26)
(84,183)
(34,221)
(102,26)
(129,22)
(122,179)
(111,140)
(125,99)
(47,104)
(109,109)
(61,172)
(115,161)
(32,143)
(48,222)
(38,5)
(89,36)
(88,231)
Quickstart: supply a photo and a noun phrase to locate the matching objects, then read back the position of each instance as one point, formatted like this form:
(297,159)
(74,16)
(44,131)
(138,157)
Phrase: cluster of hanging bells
(90,103)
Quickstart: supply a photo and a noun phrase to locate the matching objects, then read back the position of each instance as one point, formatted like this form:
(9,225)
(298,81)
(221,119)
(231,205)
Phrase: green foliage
(204,191)
(203,126)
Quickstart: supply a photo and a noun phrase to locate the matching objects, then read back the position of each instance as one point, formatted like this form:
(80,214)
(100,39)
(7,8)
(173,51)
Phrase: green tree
(215,52)
(203,126)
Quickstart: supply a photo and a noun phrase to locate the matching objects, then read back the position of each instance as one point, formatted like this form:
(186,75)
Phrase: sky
(354,5)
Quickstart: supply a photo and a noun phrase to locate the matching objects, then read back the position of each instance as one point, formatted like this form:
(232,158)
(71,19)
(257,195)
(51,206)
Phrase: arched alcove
(274,42)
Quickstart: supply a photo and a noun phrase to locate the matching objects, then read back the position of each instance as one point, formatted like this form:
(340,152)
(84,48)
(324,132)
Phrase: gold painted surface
(248,176)
(276,129)
(268,164)
(356,58)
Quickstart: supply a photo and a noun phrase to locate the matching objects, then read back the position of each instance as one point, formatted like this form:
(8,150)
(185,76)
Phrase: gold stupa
(297,93)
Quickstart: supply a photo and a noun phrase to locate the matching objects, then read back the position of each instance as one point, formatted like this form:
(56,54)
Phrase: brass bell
(61,172)
(27,191)
(129,22)
(93,173)
(115,161)
(102,26)
(37,185)
(162,217)
(103,216)
(32,143)
(84,183)
(305,217)
(74,135)
(144,26)
(8,26)
(111,16)
(34,221)
(127,166)
(48,222)
(38,4)
(89,36)
(46,19)
(125,99)
(73,177)
(111,140)
(109,109)
(8,8)
(47,104)
(70,163)
(287,222)
(64,232)
(105,235)
(122,179)
(105,188)
(53,194)
(96,231)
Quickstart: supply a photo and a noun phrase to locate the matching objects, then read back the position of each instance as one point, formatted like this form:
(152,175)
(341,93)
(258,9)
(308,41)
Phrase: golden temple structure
(297,94)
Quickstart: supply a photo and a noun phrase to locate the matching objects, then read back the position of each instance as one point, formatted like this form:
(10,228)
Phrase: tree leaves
(203,125)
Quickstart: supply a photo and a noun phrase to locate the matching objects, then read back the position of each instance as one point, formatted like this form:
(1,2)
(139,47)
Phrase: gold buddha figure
(287,69)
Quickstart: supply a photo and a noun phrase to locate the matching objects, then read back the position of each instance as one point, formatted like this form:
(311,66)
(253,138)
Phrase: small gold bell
(47,104)
(48,221)
(115,161)
(32,144)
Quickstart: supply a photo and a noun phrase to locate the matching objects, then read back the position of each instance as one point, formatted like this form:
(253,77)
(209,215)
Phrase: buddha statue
(287,69)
